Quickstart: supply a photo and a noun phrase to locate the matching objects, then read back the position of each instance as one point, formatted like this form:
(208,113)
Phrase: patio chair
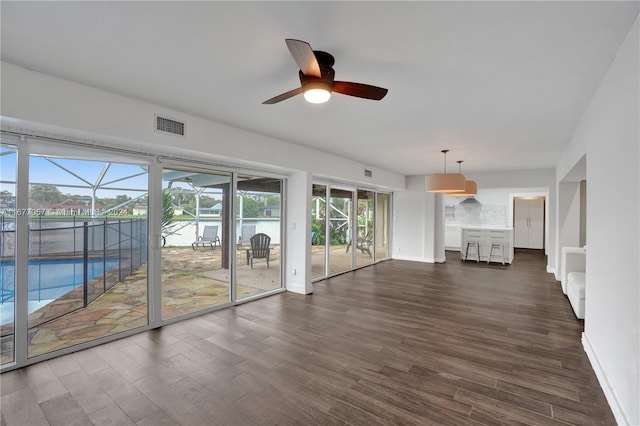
(363,244)
(259,248)
(248,231)
(209,238)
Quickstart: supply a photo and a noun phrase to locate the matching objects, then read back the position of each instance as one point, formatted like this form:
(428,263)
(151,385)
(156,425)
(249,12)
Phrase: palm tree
(168,214)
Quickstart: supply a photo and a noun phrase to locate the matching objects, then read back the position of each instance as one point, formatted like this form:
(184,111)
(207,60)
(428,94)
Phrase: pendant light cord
(444,151)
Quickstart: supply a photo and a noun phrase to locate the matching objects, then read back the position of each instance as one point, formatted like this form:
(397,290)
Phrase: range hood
(470,200)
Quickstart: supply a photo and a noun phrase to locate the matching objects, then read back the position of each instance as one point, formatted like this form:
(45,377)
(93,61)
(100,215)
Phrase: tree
(182,196)
(167,215)
(45,194)
(272,200)
(121,199)
(250,207)
(6,198)
(206,201)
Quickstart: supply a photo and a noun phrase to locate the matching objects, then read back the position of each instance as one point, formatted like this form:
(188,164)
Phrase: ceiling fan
(316,77)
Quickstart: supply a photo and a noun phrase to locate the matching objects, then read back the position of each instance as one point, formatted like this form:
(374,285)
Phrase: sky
(120,178)
(83,173)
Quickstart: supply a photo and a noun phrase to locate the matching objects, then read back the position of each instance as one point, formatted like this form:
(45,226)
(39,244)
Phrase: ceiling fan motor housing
(317,77)
(325,81)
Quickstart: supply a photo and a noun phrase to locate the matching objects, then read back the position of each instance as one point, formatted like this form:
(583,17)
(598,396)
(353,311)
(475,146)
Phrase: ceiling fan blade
(359,90)
(283,96)
(305,58)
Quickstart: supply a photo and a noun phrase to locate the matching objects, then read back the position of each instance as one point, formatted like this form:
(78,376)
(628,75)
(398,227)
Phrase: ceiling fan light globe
(317,96)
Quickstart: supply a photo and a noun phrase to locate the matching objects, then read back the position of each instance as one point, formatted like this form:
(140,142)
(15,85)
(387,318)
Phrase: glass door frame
(28,145)
(388,224)
(354,227)
(233,235)
(20,293)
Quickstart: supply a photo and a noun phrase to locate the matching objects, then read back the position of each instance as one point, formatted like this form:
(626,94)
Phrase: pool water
(47,281)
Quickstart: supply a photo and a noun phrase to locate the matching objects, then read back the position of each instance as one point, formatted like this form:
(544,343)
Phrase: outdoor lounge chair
(363,244)
(248,231)
(259,248)
(209,238)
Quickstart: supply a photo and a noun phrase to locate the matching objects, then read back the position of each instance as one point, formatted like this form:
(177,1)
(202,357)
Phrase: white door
(521,223)
(536,223)
(528,223)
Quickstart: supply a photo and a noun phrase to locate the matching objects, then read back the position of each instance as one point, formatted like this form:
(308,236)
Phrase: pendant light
(471,186)
(443,182)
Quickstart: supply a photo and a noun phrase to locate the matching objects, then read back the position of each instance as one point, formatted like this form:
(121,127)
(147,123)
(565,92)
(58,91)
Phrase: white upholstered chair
(573,259)
(573,277)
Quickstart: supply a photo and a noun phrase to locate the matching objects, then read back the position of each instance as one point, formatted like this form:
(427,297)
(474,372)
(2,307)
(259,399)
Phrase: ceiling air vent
(167,125)
(368,173)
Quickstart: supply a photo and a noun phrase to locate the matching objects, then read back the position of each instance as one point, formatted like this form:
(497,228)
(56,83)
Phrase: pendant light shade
(471,188)
(443,182)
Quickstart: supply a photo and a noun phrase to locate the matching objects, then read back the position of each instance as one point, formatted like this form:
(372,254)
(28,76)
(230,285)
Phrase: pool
(47,280)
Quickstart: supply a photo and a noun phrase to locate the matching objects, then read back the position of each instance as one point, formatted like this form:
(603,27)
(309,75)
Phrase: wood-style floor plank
(407,343)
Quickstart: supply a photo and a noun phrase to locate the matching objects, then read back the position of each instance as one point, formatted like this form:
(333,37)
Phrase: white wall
(409,212)
(37,103)
(298,233)
(418,223)
(36,100)
(568,215)
(609,134)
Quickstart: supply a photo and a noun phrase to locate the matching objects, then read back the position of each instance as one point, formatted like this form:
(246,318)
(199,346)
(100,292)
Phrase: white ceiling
(500,84)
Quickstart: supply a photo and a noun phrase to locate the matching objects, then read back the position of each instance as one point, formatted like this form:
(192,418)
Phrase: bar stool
(499,246)
(471,244)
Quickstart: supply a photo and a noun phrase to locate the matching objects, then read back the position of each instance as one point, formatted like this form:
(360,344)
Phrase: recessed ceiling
(500,84)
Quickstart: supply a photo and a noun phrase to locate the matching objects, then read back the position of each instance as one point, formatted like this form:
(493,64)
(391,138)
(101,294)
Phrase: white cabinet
(528,223)
(485,237)
(452,238)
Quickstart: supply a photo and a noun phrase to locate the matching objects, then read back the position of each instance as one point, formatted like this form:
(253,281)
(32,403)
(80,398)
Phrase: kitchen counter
(496,227)
(487,237)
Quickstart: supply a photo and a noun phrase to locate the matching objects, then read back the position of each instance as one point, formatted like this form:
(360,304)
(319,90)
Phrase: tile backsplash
(476,214)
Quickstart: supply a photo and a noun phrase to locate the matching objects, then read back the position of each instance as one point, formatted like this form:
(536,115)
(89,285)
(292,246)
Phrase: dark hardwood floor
(397,343)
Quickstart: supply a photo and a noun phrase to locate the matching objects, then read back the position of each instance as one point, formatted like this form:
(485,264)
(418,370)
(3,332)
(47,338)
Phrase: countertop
(492,227)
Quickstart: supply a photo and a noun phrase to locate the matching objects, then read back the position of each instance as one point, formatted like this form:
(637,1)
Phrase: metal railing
(109,250)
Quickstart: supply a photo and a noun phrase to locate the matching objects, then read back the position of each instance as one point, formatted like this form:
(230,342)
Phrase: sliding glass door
(318,230)
(259,230)
(7,251)
(81,245)
(363,241)
(340,230)
(87,255)
(196,267)
(350,228)
(382,225)
(209,257)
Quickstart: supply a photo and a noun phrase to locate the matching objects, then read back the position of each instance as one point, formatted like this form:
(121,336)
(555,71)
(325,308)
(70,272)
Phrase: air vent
(166,125)
(368,173)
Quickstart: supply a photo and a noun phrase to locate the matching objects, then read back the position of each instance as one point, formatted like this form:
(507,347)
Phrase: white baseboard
(618,413)
(551,270)
(409,258)
(297,288)
(420,259)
